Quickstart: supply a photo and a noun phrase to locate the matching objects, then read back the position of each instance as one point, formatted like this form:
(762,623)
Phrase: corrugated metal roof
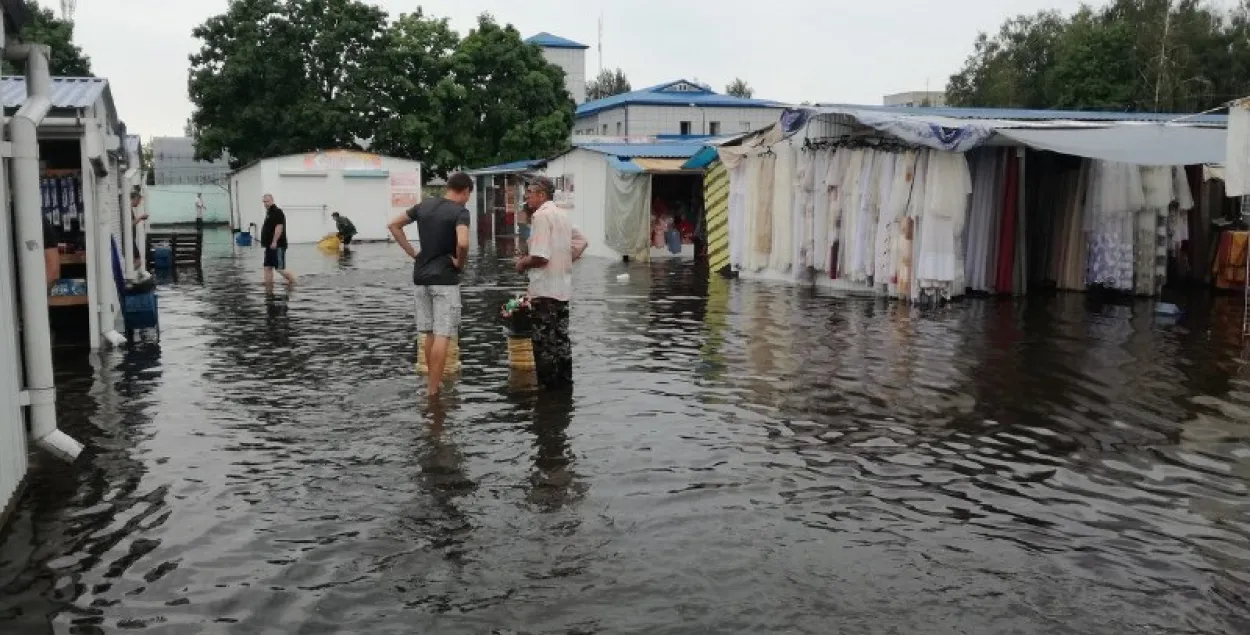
(1023,114)
(67,92)
(658,150)
(676,93)
(506,168)
(554,41)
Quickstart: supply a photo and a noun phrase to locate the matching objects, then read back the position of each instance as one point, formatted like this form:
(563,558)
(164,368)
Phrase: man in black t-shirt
(443,233)
(273,239)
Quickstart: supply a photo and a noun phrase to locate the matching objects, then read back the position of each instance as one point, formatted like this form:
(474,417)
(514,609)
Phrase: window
(746,126)
(618,128)
(685,127)
(713,127)
(605,129)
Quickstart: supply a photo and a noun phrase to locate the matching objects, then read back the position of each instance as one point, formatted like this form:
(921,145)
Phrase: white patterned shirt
(553,238)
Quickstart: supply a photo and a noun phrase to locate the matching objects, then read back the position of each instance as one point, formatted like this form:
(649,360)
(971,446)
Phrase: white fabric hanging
(946,200)
(763,233)
(628,230)
(1237,155)
(739,232)
(801,213)
(780,256)
(820,208)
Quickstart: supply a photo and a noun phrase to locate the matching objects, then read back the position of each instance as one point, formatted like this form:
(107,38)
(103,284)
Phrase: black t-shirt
(437,220)
(273,218)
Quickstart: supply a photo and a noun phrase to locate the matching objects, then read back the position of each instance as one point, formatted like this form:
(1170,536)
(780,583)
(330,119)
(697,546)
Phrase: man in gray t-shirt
(443,234)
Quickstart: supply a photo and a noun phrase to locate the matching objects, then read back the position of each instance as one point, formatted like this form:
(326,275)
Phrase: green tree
(1012,68)
(608,83)
(511,103)
(67,59)
(739,88)
(1143,55)
(276,77)
(415,94)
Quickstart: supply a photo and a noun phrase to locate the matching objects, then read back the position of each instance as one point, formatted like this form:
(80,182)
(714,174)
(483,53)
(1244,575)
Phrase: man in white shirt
(554,245)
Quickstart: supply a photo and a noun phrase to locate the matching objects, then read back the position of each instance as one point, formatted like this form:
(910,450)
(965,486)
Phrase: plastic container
(243,239)
(673,238)
(163,257)
(139,311)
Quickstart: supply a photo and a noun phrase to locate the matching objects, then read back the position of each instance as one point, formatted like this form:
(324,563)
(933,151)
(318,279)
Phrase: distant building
(679,107)
(174,163)
(568,55)
(916,98)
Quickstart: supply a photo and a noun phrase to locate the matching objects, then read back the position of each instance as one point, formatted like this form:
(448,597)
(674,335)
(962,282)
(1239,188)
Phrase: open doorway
(677,215)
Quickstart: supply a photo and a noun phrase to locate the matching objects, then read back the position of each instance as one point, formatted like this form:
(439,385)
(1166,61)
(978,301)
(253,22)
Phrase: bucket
(243,239)
(453,357)
(521,353)
(163,257)
(673,238)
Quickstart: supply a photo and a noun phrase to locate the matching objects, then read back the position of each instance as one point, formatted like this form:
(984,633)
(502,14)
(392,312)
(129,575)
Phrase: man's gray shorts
(438,310)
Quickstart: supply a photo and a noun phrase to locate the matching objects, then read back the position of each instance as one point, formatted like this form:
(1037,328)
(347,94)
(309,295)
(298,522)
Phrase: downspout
(24,178)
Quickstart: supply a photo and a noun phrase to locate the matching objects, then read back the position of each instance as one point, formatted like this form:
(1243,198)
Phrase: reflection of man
(555,244)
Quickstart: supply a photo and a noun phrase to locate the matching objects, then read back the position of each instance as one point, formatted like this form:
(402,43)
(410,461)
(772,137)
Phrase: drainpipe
(24,179)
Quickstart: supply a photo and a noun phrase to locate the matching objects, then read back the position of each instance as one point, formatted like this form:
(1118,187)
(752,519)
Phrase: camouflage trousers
(553,351)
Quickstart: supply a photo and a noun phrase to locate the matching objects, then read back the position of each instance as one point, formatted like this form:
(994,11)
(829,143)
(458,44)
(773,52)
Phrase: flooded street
(735,458)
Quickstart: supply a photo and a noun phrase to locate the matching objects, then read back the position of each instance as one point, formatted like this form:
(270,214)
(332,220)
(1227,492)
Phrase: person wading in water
(554,245)
(443,233)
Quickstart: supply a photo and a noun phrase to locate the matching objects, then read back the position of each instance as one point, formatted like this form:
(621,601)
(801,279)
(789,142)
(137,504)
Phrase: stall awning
(1140,144)
(625,165)
(661,165)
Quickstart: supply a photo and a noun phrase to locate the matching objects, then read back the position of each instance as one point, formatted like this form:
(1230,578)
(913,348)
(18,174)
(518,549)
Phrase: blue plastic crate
(139,311)
(163,257)
(243,239)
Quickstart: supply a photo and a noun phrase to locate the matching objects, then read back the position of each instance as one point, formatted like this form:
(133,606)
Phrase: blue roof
(657,150)
(550,41)
(676,93)
(1021,114)
(506,168)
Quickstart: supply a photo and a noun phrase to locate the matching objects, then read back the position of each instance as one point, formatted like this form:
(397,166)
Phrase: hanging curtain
(628,214)
(781,256)
(803,205)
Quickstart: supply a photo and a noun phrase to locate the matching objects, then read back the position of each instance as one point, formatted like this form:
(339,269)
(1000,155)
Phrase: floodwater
(735,458)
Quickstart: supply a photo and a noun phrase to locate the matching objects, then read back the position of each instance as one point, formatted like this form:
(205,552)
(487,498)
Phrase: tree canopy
(608,83)
(1131,55)
(277,77)
(67,59)
(739,88)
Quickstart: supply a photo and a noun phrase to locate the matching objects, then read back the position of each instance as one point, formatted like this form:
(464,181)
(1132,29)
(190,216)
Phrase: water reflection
(735,457)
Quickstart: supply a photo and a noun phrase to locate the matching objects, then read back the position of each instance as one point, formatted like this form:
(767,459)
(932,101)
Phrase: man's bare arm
(579,244)
(462,245)
(397,226)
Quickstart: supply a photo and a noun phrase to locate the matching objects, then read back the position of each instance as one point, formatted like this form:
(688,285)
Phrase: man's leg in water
(446,301)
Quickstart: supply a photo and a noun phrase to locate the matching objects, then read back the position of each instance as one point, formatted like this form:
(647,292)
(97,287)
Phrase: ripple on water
(736,457)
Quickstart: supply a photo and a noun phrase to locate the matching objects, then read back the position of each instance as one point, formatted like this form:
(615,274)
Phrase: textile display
(627,213)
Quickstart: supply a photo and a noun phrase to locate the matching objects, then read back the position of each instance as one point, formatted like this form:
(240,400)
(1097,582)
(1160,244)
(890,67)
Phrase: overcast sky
(852,51)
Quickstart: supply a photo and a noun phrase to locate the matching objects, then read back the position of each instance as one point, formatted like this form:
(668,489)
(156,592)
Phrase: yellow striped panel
(716,202)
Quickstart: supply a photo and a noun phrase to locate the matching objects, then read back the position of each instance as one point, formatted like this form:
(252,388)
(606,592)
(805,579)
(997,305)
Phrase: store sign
(341,160)
(405,189)
(564,191)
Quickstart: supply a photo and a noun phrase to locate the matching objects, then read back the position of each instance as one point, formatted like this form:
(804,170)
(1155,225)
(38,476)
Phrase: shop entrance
(677,215)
